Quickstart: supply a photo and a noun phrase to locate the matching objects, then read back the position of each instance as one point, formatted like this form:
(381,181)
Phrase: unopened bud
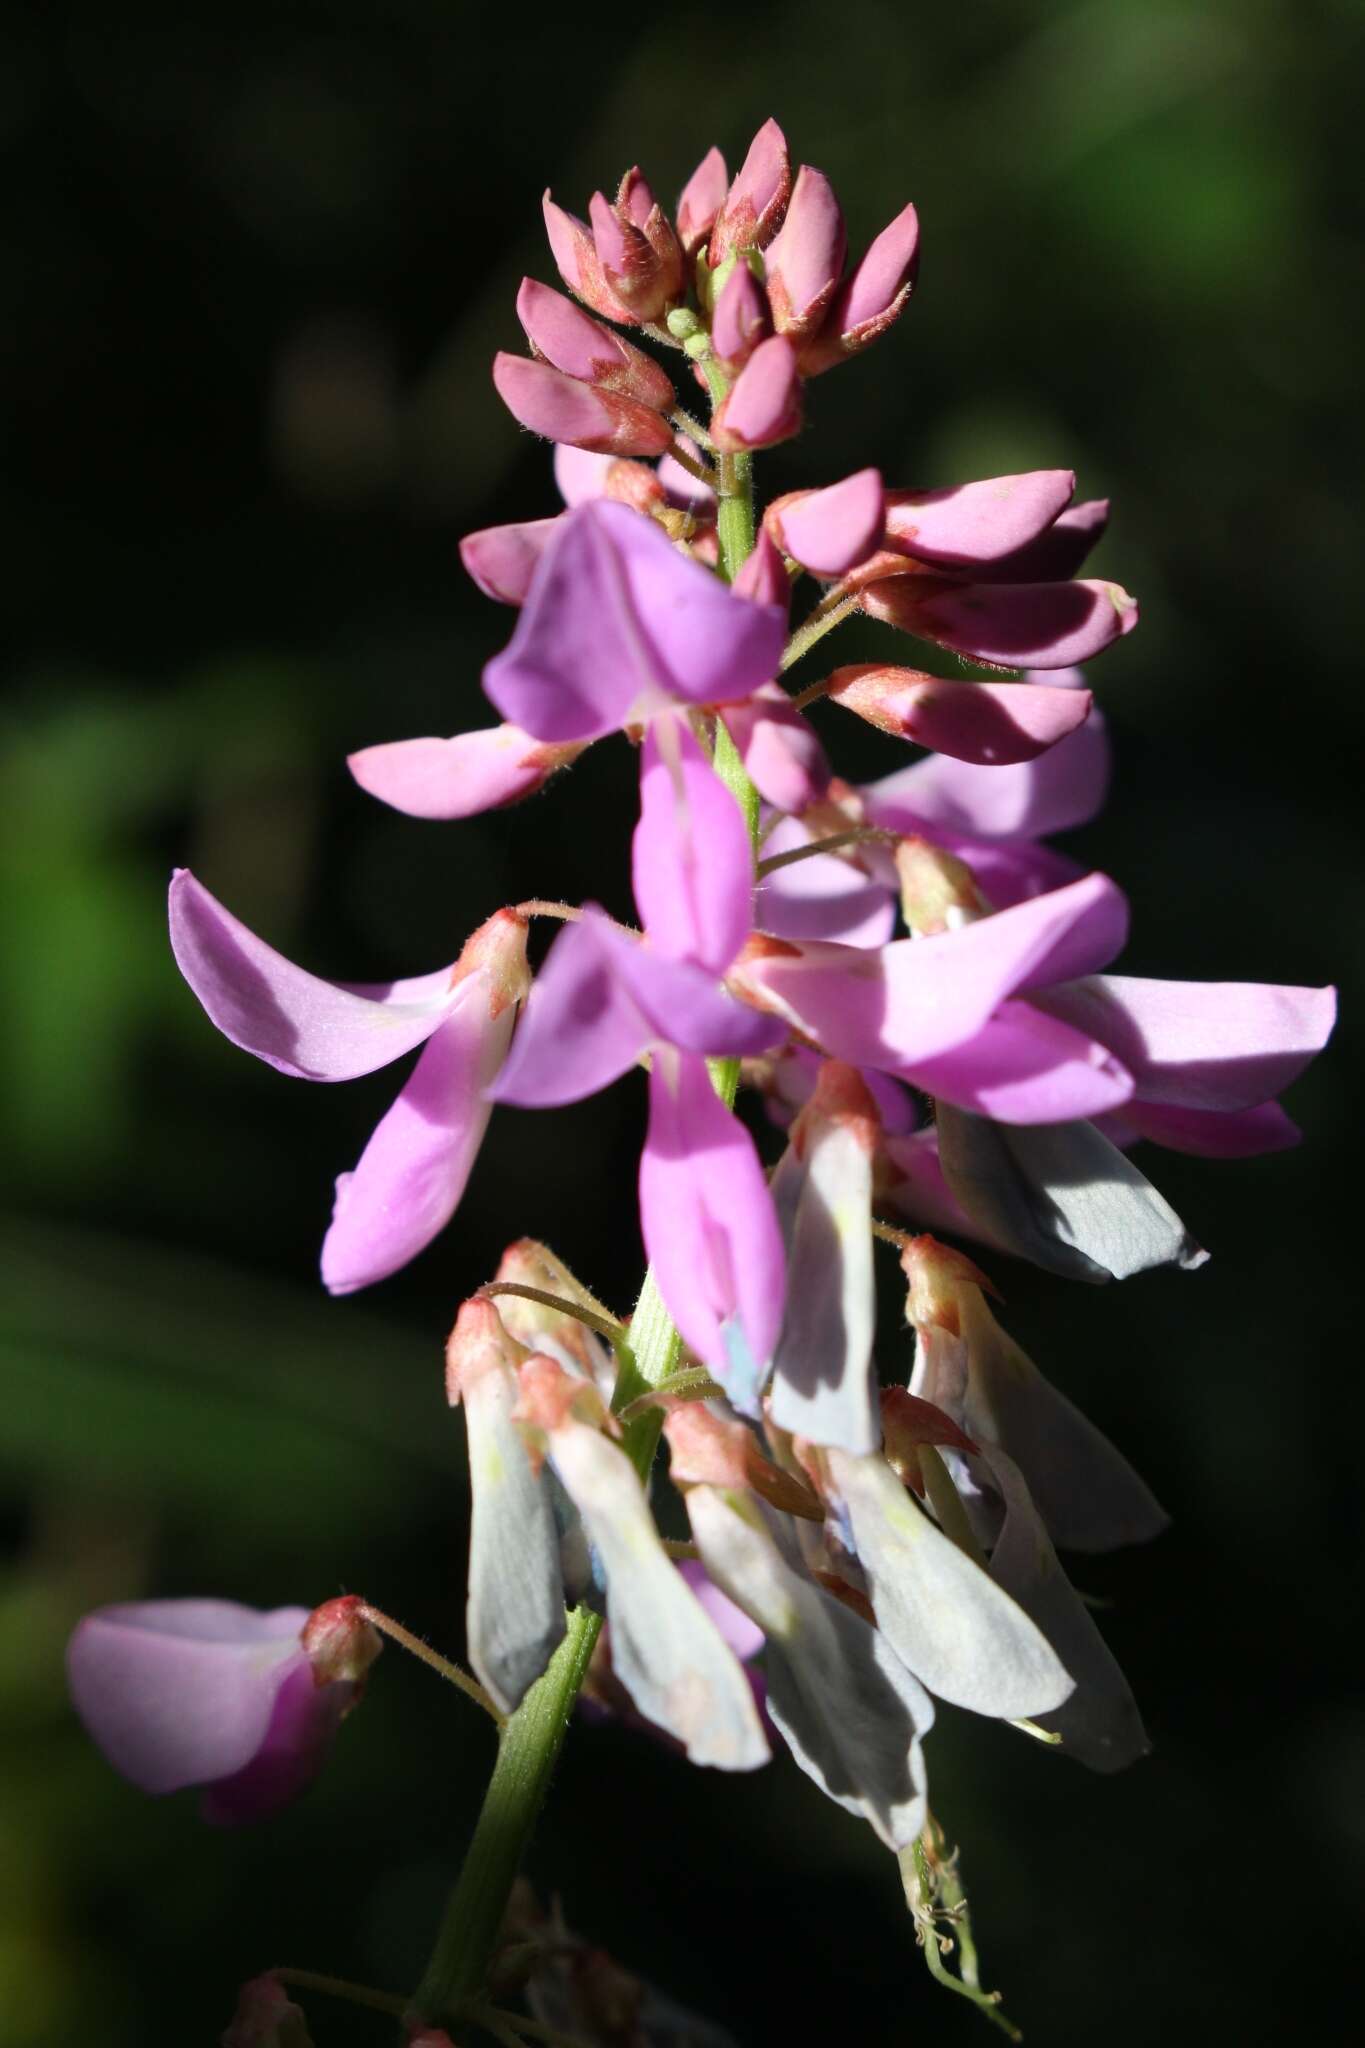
(806,260)
(576,259)
(700,201)
(478,1344)
(938,891)
(863,308)
(561,408)
(566,338)
(830,531)
(266,2017)
(764,406)
(741,319)
(757,200)
(340,1640)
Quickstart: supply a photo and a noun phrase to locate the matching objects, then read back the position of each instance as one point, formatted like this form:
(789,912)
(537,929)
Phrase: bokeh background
(257,259)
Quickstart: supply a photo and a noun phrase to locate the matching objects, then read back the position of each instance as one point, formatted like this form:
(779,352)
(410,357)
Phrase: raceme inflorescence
(916,987)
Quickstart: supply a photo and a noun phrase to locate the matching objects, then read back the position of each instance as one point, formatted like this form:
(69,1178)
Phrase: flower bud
(562,409)
(460,777)
(806,259)
(938,891)
(764,406)
(266,2017)
(864,307)
(757,199)
(741,319)
(577,261)
(643,279)
(636,203)
(340,1641)
(571,342)
(829,531)
(993,724)
(701,200)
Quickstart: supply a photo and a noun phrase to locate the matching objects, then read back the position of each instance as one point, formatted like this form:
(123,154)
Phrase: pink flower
(413,1171)
(602,1000)
(204,1692)
(619,626)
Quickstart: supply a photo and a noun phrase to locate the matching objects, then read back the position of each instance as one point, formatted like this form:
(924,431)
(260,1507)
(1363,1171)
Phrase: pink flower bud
(705,1449)
(871,300)
(741,318)
(701,200)
(460,777)
(990,723)
(502,559)
(577,261)
(562,409)
(757,200)
(641,272)
(266,2017)
(568,339)
(806,260)
(340,1641)
(829,531)
(636,203)
(765,404)
(479,1344)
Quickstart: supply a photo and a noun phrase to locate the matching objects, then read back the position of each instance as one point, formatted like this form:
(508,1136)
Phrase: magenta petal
(580,475)
(995,724)
(460,777)
(898,1005)
(411,1175)
(685,1006)
(1024,625)
(978,522)
(828,531)
(691,861)
(1025,1068)
(618,625)
(581,1027)
(1059,552)
(1064,787)
(1212,1133)
(1202,1045)
(782,756)
(710,1229)
(181,1692)
(502,559)
(315,1030)
(827,896)
(305,1719)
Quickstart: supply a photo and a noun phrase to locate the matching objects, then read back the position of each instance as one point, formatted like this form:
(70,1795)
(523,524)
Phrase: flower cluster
(982,1075)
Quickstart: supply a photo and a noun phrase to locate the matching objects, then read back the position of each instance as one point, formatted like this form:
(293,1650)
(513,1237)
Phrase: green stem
(528,1748)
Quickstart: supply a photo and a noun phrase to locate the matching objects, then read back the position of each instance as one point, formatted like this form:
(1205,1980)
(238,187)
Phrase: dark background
(256,262)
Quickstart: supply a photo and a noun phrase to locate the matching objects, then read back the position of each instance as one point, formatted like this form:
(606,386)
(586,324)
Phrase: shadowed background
(257,261)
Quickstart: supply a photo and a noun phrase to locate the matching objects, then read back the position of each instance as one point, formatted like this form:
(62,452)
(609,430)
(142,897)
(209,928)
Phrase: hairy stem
(528,1748)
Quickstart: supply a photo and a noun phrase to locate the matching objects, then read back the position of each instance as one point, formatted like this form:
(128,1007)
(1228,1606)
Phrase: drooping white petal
(515,1615)
(666,1651)
(823,1382)
(1099,1724)
(1062,1196)
(847,1708)
(944,1617)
